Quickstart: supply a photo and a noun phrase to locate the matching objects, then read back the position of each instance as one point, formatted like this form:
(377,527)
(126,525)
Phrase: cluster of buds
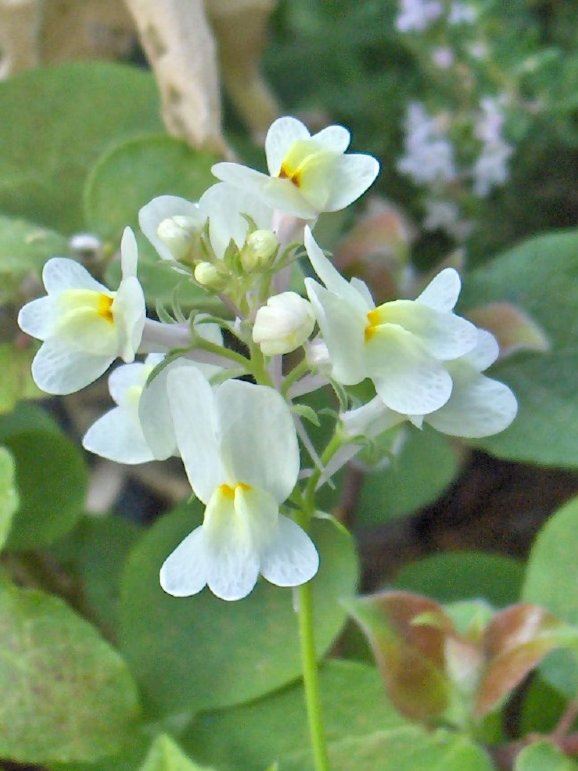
(232,412)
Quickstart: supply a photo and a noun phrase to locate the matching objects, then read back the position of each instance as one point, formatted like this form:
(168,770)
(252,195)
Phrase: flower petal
(352,175)
(485,352)
(442,292)
(332,278)
(117,435)
(38,318)
(129,313)
(291,558)
(342,328)
(161,208)
(60,273)
(281,135)
(225,206)
(406,377)
(184,572)
(232,557)
(194,417)
(129,253)
(479,406)
(124,377)
(59,369)
(371,419)
(258,438)
(334,138)
(444,335)
(240,176)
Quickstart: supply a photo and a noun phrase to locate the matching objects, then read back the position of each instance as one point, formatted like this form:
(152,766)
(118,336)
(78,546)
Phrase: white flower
(283,324)
(462,13)
(417,15)
(443,57)
(171,224)
(479,406)
(84,325)
(402,346)
(118,434)
(429,154)
(240,451)
(307,174)
(139,429)
(446,216)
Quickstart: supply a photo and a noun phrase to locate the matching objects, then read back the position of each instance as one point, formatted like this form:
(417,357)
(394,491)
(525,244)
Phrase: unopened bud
(283,324)
(260,248)
(209,276)
(178,233)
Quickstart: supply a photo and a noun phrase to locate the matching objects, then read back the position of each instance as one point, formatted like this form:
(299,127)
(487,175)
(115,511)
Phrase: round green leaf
(8,494)
(541,277)
(464,575)
(404,749)
(201,652)
(51,478)
(551,580)
(16,382)
(543,756)
(255,735)
(127,177)
(66,695)
(426,465)
(55,123)
(24,248)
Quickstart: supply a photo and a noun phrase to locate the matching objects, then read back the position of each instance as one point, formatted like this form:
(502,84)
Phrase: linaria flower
(84,325)
(307,174)
(429,154)
(240,451)
(478,406)
(417,15)
(402,346)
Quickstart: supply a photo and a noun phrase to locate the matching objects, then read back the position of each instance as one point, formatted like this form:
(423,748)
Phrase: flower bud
(209,276)
(283,324)
(260,248)
(177,233)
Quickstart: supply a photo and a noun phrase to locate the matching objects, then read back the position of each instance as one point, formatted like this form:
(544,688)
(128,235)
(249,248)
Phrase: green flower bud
(260,248)
(208,276)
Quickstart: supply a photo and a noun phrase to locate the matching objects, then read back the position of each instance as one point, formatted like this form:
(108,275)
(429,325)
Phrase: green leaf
(404,749)
(95,551)
(24,248)
(16,382)
(542,708)
(166,755)
(56,122)
(65,694)
(254,735)
(127,177)
(426,465)
(464,575)
(543,756)
(551,580)
(8,494)
(200,652)
(541,277)
(51,478)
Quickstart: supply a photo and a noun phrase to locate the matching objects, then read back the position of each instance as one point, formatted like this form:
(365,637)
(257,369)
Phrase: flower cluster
(233,413)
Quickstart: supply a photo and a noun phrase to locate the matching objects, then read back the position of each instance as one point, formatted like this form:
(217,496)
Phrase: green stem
(311,678)
(296,373)
(227,353)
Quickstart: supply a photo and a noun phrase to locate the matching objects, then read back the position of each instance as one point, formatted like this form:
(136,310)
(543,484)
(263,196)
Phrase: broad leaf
(127,177)
(51,478)
(55,123)
(200,652)
(540,277)
(254,735)
(65,694)
(8,494)
(405,749)
(16,382)
(543,756)
(551,580)
(464,575)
